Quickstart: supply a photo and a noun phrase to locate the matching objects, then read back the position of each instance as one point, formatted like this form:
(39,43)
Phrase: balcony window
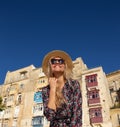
(38,97)
(91,80)
(93,97)
(96,115)
(38,121)
(38,108)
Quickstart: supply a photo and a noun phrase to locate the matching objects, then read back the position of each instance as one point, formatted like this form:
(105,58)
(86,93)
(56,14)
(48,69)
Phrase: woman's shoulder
(73,81)
(74,84)
(45,88)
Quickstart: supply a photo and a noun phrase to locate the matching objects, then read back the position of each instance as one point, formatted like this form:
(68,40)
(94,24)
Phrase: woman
(62,98)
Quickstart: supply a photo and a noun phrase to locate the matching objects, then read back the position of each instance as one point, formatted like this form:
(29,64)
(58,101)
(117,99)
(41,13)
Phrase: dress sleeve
(76,119)
(48,113)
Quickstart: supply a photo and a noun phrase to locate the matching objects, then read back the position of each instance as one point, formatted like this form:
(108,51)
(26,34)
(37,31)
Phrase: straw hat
(56,53)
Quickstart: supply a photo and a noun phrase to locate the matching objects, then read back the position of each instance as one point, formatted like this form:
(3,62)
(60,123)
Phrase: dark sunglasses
(59,61)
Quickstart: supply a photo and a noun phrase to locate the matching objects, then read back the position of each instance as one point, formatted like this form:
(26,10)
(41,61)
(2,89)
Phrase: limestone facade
(114,87)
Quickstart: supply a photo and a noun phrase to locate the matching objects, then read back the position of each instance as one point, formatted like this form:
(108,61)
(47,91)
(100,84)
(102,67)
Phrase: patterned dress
(70,114)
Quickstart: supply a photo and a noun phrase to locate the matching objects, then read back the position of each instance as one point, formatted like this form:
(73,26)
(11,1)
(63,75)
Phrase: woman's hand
(51,102)
(53,82)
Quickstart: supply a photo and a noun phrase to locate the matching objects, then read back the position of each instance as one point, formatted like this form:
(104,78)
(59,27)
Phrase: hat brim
(56,53)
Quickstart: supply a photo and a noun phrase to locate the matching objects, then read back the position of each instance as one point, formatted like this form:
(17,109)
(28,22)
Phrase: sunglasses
(55,61)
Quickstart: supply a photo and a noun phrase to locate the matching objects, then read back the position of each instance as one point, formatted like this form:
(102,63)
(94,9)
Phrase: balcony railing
(91,84)
(93,101)
(96,120)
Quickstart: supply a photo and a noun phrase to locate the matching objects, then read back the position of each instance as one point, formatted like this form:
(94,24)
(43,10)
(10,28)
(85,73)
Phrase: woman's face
(57,64)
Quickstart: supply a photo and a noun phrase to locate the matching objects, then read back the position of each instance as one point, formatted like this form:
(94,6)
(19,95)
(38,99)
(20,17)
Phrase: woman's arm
(51,101)
(47,110)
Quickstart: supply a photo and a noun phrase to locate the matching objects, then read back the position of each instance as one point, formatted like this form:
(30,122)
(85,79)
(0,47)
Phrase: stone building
(114,87)
(21,92)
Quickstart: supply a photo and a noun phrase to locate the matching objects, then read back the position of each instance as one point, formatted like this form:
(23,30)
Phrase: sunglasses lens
(61,61)
(55,61)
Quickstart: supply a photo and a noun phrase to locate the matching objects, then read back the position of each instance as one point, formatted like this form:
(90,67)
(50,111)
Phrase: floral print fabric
(70,114)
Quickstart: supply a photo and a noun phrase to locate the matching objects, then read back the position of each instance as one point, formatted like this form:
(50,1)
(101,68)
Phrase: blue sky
(87,29)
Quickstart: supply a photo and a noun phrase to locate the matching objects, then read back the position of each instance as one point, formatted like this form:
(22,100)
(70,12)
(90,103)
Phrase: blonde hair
(59,98)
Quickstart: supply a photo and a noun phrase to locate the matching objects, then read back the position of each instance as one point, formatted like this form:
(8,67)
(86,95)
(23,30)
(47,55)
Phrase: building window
(10,98)
(5,101)
(111,90)
(93,97)
(96,115)
(23,74)
(19,98)
(38,97)
(8,90)
(5,123)
(93,94)
(38,121)
(21,86)
(8,110)
(91,80)
(38,108)
(41,81)
(12,88)
(14,124)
